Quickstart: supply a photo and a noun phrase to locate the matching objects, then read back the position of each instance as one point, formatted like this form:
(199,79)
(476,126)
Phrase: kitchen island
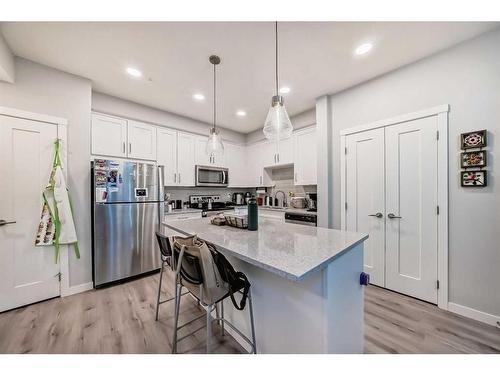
(305,283)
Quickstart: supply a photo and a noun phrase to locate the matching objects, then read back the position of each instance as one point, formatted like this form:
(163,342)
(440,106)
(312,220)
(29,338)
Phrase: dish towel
(57,226)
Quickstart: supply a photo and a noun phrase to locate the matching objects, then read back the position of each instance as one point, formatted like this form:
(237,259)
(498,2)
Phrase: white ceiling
(316,58)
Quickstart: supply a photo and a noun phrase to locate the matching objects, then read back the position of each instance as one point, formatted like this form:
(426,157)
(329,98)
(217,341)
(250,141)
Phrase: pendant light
(278,125)
(214,144)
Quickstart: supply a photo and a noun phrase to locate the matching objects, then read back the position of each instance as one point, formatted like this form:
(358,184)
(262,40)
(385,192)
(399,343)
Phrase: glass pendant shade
(278,125)
(214,146)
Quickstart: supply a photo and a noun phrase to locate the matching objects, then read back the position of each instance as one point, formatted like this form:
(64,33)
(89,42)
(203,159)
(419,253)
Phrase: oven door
(211,176)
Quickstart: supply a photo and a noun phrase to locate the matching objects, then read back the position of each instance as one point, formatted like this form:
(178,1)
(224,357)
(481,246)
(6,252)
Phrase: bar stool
(166,258)
(190,275)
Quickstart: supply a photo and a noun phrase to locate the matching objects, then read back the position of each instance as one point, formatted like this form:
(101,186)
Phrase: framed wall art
(473,159)
(476,139)
(473,179)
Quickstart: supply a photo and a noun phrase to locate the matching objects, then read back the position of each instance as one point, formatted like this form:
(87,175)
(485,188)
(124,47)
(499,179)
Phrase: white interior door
(365,197)
(411,196)
(28,273)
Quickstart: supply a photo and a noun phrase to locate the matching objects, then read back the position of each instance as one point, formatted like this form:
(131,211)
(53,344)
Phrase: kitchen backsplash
(283,180)
(184,192)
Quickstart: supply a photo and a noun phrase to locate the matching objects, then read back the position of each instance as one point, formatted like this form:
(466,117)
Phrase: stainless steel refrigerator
(127,202)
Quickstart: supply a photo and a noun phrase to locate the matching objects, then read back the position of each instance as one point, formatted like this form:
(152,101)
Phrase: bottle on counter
(253,214)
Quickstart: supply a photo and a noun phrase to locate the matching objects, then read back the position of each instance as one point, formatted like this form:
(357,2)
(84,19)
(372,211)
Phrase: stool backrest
(164,243)
(190,264)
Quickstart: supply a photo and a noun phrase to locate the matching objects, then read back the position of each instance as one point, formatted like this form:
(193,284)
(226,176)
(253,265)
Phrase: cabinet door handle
(5,222)
(278,155)
(295,176)
(378,214)
(175,177)
(179,178)
(124,148)
(130,147)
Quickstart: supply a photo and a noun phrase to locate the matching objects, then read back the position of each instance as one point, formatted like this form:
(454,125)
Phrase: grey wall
(48,91)
(120,107)
(468,78)
(300,120)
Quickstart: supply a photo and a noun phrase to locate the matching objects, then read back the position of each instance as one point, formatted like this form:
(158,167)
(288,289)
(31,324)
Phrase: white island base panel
(323,313)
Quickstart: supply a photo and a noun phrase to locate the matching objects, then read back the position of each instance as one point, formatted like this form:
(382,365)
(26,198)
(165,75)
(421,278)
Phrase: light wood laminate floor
(120,319)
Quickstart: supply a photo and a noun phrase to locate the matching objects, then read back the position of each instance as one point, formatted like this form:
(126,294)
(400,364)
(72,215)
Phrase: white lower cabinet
(305,168)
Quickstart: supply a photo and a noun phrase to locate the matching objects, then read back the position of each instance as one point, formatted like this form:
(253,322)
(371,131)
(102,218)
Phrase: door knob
(3,222)
(378,214)
(392,216)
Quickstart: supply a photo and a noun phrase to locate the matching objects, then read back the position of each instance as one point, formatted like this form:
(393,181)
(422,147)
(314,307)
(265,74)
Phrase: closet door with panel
(411,201)
(365,211)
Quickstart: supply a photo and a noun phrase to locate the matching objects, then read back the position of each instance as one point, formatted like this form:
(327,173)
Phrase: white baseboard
(77,289)
(474,314)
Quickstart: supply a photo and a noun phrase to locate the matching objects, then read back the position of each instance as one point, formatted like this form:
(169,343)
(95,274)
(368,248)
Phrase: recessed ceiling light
(199,97)
(363,48)
(241,113)
(284,90)
(134,72)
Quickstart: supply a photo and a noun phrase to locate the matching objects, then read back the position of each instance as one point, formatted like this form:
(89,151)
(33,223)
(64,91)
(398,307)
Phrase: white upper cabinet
(201,155)
(109,136)
(141,140)
(284,152)
(200,151)
(186,159)
(256,160)
(166,145)
(277,153)
(253,164)
(237,165)
(305,157)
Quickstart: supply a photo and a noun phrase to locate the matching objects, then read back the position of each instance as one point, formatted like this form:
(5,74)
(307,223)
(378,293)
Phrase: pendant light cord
(276,60)
(214,98)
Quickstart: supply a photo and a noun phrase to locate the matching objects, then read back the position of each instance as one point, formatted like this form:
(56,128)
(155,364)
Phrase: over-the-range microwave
(212,176)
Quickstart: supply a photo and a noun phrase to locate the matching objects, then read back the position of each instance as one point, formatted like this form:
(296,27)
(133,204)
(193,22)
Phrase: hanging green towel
(57,226)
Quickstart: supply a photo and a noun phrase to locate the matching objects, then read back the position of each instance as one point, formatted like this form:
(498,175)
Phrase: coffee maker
(238,199)
(312,202)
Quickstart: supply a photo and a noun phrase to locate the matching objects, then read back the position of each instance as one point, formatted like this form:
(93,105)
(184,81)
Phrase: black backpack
(236,280)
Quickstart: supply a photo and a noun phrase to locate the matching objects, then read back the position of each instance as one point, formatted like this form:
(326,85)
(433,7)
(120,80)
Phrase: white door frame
(441,112)
(62,130)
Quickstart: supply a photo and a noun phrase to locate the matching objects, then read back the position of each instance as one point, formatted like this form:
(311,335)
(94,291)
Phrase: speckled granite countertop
(288,209)
(290,250)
